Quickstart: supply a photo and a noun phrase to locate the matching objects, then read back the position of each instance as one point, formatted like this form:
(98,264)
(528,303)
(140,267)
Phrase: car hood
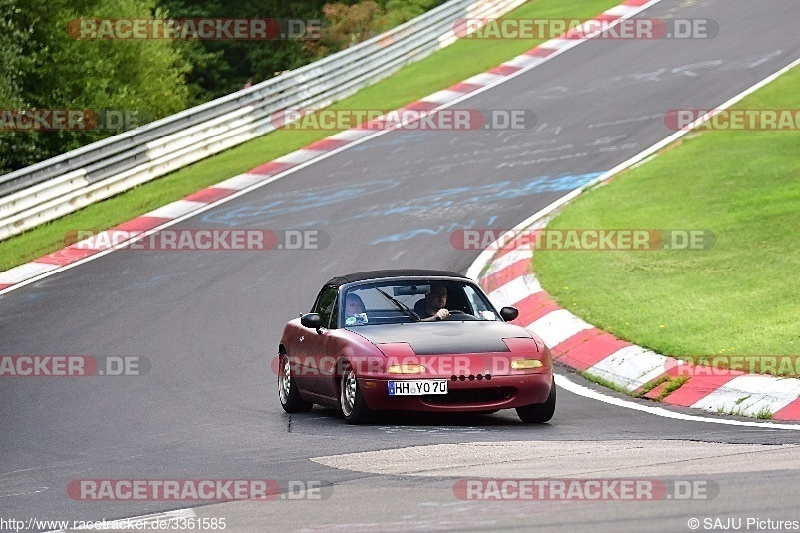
(431,338)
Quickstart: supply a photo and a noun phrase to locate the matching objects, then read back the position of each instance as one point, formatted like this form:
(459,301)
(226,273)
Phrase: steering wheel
(460,315)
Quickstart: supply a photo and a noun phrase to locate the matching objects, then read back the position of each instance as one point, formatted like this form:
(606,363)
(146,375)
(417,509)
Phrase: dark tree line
(46,67)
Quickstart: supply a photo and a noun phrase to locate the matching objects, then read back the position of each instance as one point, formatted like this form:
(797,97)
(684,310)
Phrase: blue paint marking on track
(442,228)
(269,208)
(464,196)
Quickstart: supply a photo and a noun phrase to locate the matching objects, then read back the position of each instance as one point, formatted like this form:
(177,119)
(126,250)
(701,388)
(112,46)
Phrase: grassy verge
(451,65)
(738,298)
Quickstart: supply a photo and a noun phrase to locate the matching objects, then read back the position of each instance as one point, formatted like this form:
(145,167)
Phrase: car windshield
(394,302)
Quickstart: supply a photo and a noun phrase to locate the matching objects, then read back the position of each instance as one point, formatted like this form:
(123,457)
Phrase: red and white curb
(506,272)
(507,276)
(229,189)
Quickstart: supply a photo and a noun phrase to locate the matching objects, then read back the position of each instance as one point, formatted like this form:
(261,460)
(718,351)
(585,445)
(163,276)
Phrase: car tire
(288,393)
(539,413)
(351,401)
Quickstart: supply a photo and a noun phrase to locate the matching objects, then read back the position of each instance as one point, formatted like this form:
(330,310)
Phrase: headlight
(525,364)
(405,369)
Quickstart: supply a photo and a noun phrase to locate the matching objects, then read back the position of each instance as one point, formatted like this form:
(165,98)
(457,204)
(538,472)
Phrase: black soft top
(378,274)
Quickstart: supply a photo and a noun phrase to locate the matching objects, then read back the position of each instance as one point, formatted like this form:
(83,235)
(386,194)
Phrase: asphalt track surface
(209,322)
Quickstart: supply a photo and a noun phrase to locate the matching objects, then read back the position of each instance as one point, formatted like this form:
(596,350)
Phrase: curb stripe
(508,293)
(242,181)
(790,412)
(142,223)
(67,255)
(209,194)
(541,51)
(271,168)
(504,69)
(631,367)
(558,326)
(496,280)
(744,394)
(175,209)
(464,87)
(587,348)
(534,307)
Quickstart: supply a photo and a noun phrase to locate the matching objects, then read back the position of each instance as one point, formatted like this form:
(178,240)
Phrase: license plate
(417,387)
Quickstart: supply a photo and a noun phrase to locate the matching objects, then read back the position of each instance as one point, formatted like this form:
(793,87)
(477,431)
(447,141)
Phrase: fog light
(525,364)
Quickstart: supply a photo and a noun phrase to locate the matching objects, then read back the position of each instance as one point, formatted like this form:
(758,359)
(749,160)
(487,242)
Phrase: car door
(318,369)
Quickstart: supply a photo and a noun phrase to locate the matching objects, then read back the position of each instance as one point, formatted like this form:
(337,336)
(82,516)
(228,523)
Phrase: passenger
(354,306)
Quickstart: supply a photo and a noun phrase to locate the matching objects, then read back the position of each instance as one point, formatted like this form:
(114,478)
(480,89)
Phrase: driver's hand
(442,313)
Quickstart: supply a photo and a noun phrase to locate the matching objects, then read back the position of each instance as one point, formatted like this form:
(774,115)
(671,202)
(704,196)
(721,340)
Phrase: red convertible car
(415,340)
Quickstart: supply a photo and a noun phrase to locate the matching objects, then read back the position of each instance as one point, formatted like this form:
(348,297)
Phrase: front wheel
(287,389)
(354,408)
(539,413)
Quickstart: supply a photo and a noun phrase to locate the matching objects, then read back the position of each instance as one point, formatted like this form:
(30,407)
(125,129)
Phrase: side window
(326,304)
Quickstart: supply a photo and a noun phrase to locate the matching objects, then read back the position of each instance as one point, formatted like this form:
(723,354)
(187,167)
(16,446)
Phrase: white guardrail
(60,185)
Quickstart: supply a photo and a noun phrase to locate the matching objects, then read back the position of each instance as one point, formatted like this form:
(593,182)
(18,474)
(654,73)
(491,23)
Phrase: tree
(17,148)
(220,67)
(400,11)
(57,71)
(47,67)
(348,23)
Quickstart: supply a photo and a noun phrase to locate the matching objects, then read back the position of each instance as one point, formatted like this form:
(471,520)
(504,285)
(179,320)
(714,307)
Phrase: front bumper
(500,392)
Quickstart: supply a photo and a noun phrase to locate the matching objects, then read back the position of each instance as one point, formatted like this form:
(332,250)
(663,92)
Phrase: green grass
(673,385)
(763,414)
(738,298)
(436,72)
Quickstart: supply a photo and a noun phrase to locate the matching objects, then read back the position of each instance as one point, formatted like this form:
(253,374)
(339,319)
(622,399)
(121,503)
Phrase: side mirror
(509,313)
(311,320)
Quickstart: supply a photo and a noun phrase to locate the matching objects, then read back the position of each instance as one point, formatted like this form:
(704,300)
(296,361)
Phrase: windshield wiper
(400,305)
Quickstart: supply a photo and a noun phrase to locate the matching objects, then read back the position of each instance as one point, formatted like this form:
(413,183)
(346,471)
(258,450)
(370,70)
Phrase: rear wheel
(539,413)
(354,408)
(287,389)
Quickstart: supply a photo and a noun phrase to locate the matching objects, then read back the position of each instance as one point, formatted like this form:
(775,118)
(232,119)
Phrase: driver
(435,301)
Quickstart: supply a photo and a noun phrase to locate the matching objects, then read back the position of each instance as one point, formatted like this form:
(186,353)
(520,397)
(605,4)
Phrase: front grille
(471,377)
